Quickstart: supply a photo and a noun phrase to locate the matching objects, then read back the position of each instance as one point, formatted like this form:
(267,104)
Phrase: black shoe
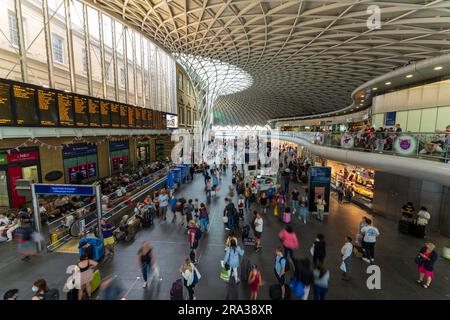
(26,258)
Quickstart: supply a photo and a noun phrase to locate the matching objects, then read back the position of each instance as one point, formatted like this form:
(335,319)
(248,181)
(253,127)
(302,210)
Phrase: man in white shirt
(258,231)
(163,200)
(370,234)
(346,252)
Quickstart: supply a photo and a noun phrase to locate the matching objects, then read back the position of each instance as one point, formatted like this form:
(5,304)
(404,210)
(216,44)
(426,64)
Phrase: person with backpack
(145,260)
(254,281)
(231,259)
(289,240)
(280,270)
(86,272)
(321,279)
(370,235)
(304,274)
(231,213)
(203,217)
(194,235)
(191,277)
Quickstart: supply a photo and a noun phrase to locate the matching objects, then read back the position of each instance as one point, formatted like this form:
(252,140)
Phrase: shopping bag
(275,211)
(342,267)
(225,219)
(223,271)
(311,250)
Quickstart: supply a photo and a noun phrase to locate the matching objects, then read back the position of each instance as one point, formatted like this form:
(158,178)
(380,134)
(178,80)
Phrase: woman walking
(85,265)
(231,259)
(321,278)
(190,275)
(145,260)
(425,260)
(289,240)
(254,281)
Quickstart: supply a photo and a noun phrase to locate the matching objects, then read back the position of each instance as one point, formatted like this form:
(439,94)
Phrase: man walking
(370,234)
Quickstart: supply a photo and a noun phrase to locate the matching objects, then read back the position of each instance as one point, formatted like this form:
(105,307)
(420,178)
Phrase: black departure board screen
(131,117)
(138,113)
(149,118)
(65,107)
(144,124)
(81,111)
(164,121)
(6,115)
(123,116)
(25,101)
(48,115)
(156,119)
(105,114)
(115,115)
(94,112)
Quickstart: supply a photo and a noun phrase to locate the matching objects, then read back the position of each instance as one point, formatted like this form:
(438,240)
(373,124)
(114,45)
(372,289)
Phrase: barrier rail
(426,146)
(60,233)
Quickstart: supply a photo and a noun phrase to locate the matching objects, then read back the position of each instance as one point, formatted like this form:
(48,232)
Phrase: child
(303,212)
(241,207)
(254,281)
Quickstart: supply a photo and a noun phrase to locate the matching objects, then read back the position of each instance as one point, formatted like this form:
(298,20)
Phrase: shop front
(143,151)
(119,155)
(23,164)
(80,163)
(362,180)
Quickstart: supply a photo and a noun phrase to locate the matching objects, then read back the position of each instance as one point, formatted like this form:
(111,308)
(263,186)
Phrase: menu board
(65,108)
(25,99)
(6,115)
(48,115)
(105,114)
(137,112)
(144,124)
(131,117)
(115,115)
(123,116)
(81,111)
(94,112)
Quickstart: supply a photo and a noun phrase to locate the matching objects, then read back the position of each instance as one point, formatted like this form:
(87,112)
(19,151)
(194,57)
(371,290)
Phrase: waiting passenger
(425,261)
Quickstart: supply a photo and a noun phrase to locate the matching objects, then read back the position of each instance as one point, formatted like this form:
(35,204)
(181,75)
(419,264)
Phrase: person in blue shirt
(232,259)
(280,270)
(173,204)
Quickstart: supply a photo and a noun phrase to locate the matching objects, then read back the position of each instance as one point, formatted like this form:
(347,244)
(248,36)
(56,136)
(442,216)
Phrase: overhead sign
(405,144)
(320,174)
(390,119)
(64,190)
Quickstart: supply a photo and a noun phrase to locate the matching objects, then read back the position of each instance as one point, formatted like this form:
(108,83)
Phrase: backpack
(198,234)
(52,294)
(287,266)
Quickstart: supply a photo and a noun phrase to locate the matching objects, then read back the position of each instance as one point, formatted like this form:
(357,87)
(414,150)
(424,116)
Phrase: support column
(36,216)
(142,71)
(69,37)
(48,44)
(133,47)
(21,36)
(98,199)
(87,45)
(125,62)
(102,54)
(115,65)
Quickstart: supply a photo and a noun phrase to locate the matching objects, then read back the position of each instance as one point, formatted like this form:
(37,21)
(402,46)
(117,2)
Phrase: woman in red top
(254,281)
(426,260)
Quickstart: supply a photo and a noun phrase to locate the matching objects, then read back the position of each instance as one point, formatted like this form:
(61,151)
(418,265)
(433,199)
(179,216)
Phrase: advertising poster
(319,184)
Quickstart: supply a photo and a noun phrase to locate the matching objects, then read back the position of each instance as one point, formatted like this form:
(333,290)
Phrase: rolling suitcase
(96,280)
(176,292)
(287,217)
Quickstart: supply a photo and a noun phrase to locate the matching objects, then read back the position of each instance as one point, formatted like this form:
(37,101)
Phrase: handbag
(225,219)
(342,267)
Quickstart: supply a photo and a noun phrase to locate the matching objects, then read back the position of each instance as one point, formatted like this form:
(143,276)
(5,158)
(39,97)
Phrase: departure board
(115,115)
(105,114)
(131,117)
(123,116)
(144,124)
(81,111)
(6,115)
(94,112)
(65,108)
(156,119)
(25,101)
(138,113)
(164,121)
(48,115)
(149,119)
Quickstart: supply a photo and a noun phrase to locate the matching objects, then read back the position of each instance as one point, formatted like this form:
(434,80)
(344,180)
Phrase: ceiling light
(438,68)
(374,89)
(409,76)
(388,83)
(362,96)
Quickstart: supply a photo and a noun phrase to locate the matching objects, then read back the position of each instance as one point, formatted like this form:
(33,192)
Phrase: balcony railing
(421,145)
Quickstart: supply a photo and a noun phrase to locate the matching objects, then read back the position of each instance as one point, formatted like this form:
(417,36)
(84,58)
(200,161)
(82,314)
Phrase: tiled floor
(394,254)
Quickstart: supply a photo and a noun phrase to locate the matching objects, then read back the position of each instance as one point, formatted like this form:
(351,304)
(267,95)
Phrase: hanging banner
(405,145)
(347,141)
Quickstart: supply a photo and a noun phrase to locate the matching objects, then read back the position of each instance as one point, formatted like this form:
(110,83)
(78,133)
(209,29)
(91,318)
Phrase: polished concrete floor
(394,254)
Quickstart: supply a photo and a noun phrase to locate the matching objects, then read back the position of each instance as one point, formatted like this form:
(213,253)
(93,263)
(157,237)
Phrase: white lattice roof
(304,57)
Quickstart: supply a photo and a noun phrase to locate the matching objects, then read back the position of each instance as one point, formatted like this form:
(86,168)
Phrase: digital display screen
(137,112)
(81,111)
(65,107)
(48,114)
(115,115)
(144,124)
(105,114)
(131,117)
(94,112)
(92,169)
(172,121)
(83,169)
(149,119)
(25,105)
(123,116)
(6,115)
